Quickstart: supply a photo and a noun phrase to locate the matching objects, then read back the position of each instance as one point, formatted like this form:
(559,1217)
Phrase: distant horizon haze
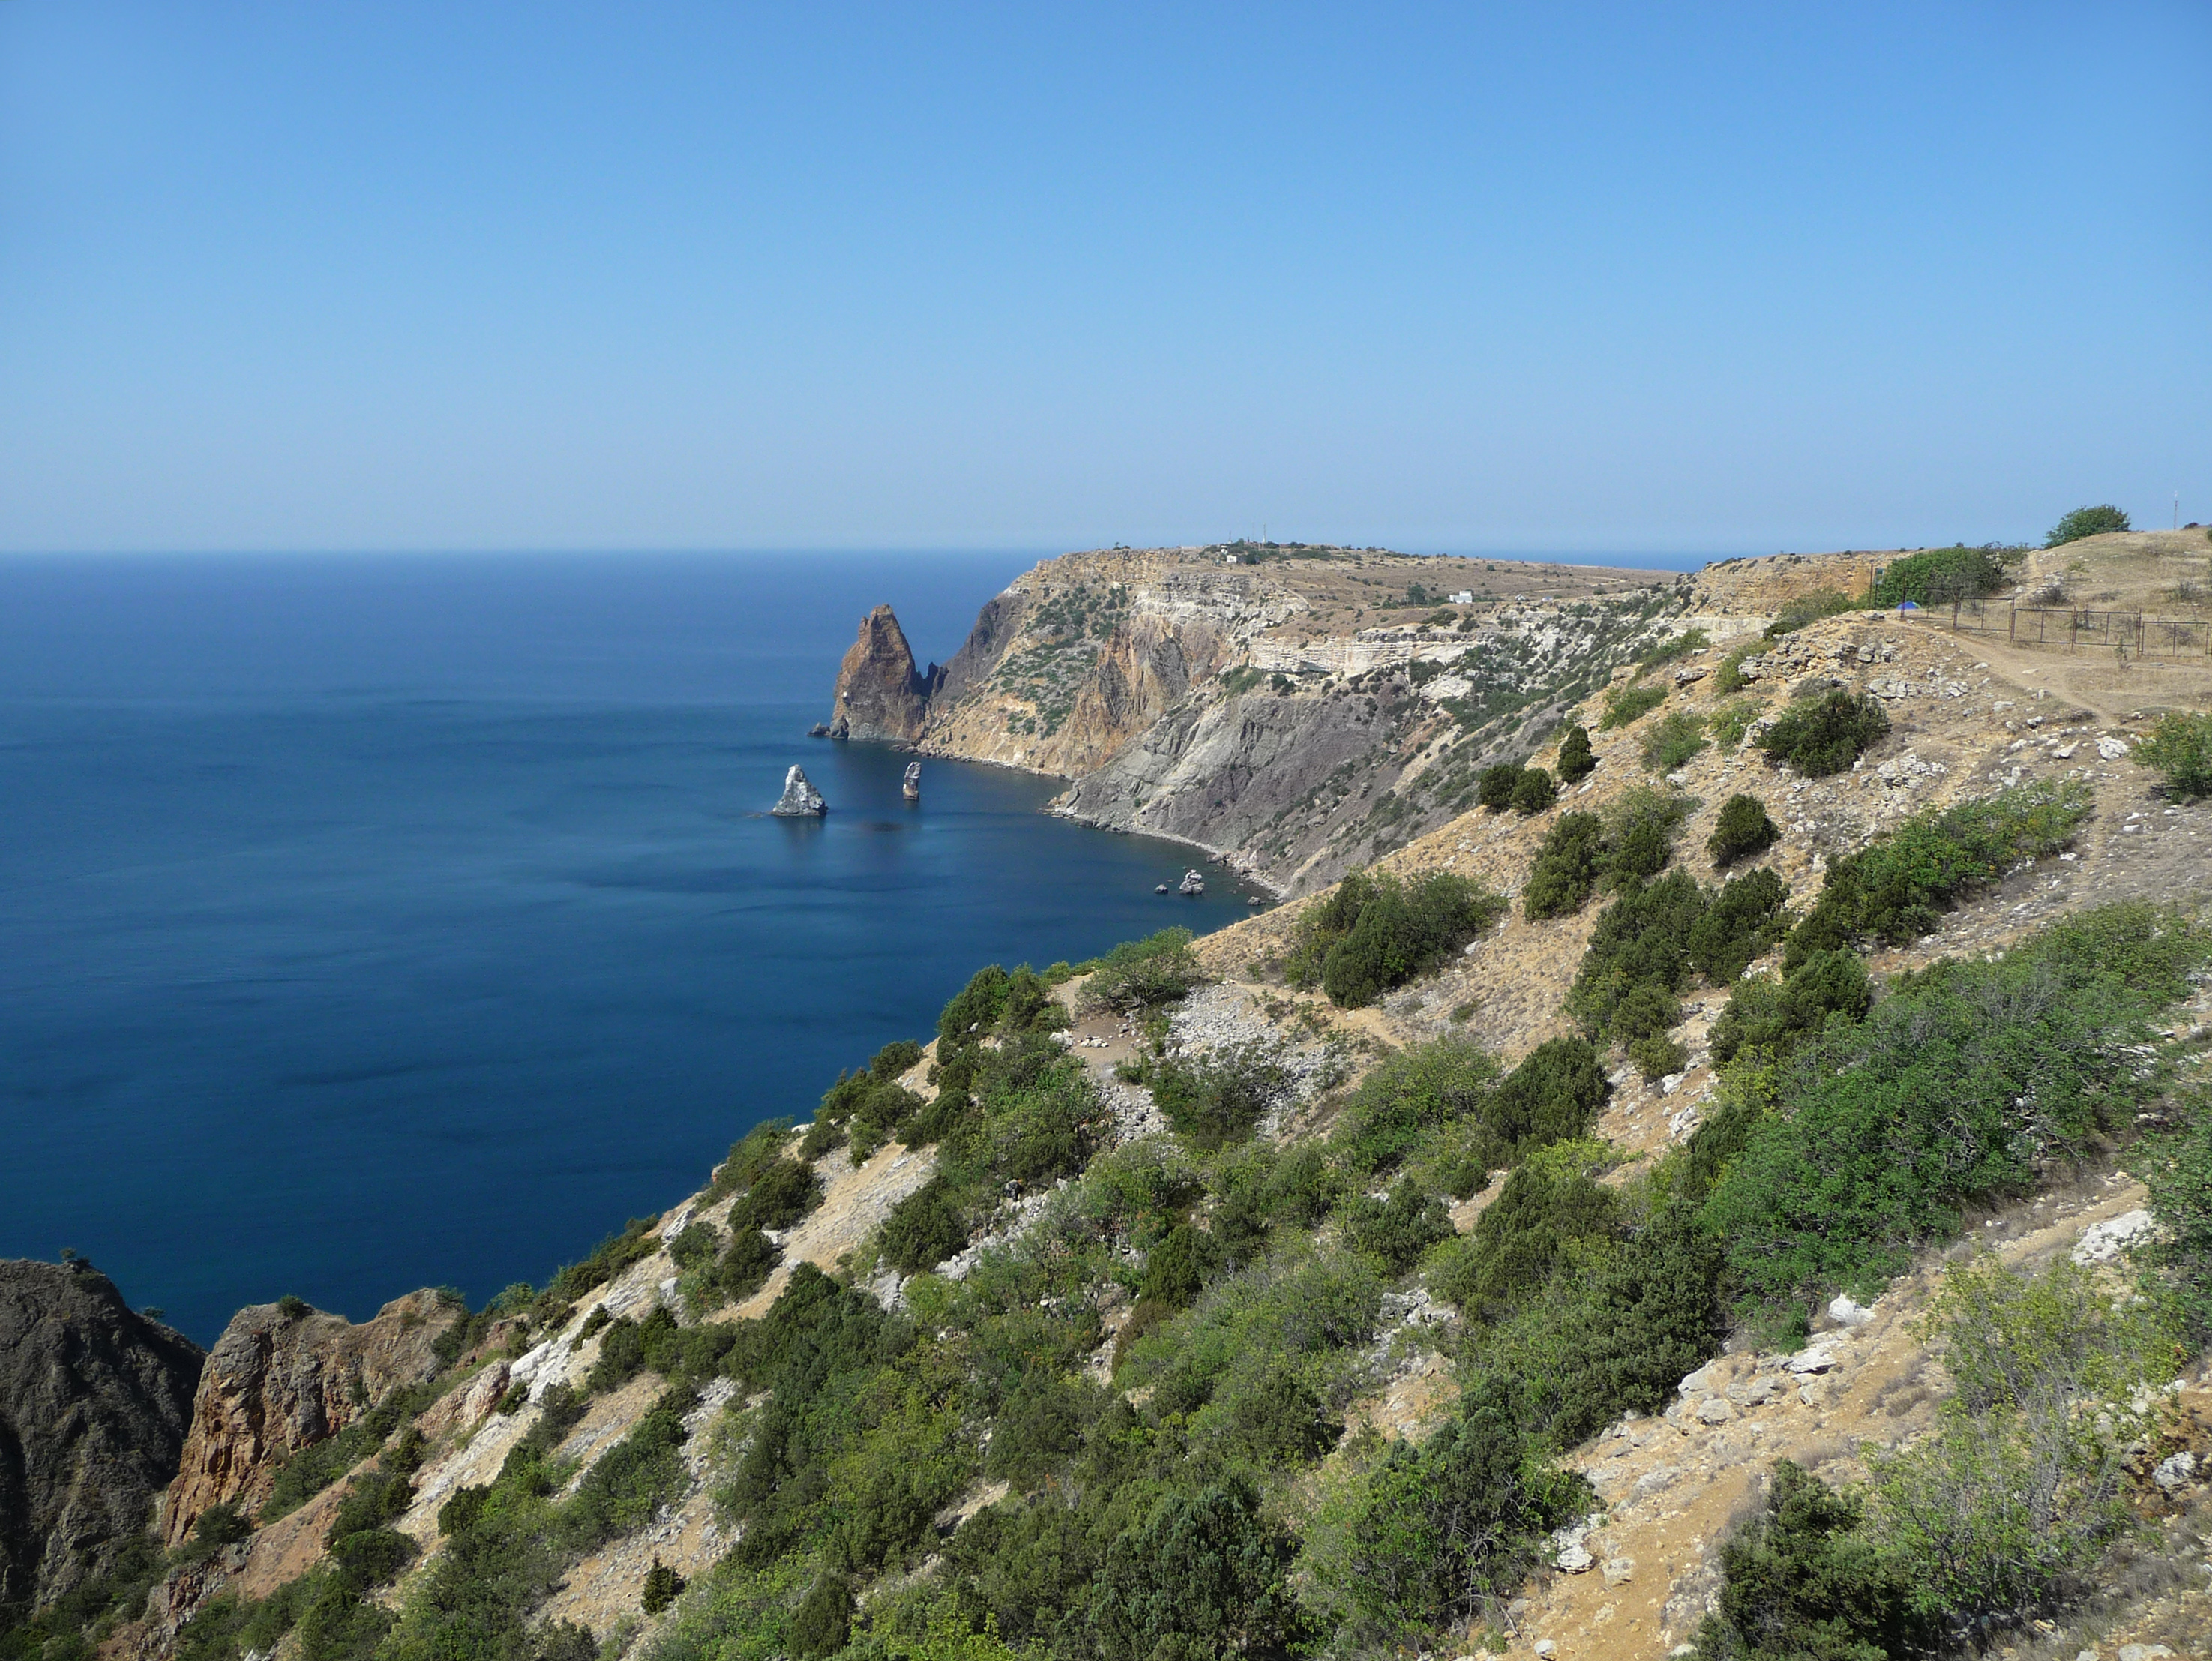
(1553,279)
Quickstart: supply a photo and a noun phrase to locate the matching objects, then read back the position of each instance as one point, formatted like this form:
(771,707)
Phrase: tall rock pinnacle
(880,693)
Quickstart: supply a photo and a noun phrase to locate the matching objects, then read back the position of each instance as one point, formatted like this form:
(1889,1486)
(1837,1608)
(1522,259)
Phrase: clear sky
(1685,278)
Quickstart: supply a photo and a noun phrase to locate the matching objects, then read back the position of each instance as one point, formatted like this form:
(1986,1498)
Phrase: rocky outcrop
(283,1377)
(94,1403)
(879,693)
(799,798)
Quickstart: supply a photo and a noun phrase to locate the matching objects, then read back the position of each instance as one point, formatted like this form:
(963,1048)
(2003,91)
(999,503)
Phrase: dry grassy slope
(1965,708)
(1974,716)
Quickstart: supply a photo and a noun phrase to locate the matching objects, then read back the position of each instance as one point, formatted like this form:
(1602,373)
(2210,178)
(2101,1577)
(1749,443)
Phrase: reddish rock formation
(880,693)
(276,1383)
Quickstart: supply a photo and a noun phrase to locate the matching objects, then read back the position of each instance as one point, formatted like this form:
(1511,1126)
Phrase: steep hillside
(1469,1255)
(93,1404)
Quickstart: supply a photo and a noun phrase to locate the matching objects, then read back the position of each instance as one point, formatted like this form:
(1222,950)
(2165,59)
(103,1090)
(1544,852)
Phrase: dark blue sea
(374,923)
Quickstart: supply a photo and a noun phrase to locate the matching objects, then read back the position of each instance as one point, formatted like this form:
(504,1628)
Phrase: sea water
(374,923)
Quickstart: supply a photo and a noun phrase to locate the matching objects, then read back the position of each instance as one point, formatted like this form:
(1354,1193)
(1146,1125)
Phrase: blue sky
(1548,278)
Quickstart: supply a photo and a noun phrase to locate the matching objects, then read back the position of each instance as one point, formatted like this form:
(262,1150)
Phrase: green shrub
(1743,920)
(1534,791)
(1961,1087)
(1554,1095)
(2086,522)
(1730,721)
(2179,749)
(1401,1103)
(2177,1169)
(1146,974)
(751,1156)
(1375,933)
(1939,575)
(1742,831)
(1444,1532)
(294,1308)
(1802,608)
(1520,1239)
(1494,790)
(1577,763)
(778,1197)
(1638,959)
(1803,1580)
(662,1586)
(747,1262)
(1671,743)
(1399,1229)
(1566,869)
(973,1012)
(1826,737)
(2011,1502)
(1896,888)
(1201,1577)
(1672,651)
(923,1229)
(1629,703)
(1657,1056)
(1773,1014)
(695,1245)
(1218,1099)
(1730,677)
(1039,1428)
(824,1619)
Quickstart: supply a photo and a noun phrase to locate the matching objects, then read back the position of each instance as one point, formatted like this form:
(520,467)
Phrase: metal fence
(2074,628)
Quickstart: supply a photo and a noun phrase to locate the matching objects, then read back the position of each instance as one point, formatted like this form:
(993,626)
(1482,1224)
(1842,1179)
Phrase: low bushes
(1824,736)
(1525,789)
(1936,575)
(2179,748)
(2003,1511)
(1219,1097)
(1146,974)
(1630,703)
(1671,743)
(1534,791)
(1672,650)
(2177,1169)
(923,1229)
(1634,839)
(1772,1014)
(1742,831)
(1575,762)
(1376,932)
(1896,888)
(2099,520)
(1802,608)
(1961,1086)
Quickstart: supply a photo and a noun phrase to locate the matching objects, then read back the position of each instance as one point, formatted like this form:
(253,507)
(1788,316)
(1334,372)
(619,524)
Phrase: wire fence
(2074,628)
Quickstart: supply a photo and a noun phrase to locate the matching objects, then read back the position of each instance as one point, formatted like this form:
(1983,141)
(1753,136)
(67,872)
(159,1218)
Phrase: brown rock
(93,1402)
(275,1384)
(880,693)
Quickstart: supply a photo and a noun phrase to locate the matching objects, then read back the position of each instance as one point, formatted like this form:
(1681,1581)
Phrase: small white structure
(1464,597)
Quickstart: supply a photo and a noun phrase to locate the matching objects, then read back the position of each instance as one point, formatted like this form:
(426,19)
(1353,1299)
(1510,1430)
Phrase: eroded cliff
(93,1402)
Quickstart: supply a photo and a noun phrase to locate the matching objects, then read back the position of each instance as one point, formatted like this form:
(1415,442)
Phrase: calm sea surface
(368,923)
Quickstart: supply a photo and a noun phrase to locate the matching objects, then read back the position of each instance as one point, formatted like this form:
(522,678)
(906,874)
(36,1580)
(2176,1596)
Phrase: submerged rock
(799,800)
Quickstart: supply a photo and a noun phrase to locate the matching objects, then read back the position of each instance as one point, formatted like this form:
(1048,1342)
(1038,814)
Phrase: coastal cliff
(1299,710)
(94,1400)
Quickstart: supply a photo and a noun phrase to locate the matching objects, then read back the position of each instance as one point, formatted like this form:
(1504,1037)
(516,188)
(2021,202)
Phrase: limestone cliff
(283,1377)
(880,693)
(93,1401)
(1301,710)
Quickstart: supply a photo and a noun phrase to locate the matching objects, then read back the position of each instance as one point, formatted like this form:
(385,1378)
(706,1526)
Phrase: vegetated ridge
(1599,1226)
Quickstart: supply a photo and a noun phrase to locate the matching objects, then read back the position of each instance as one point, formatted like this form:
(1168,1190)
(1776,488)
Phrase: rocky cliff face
(880,693)
(93,1402)
(1288,712)
(277,1382)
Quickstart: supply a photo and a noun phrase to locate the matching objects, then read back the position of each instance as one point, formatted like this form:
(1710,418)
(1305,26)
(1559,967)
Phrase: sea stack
(912,787)
(799,800)
(880,693)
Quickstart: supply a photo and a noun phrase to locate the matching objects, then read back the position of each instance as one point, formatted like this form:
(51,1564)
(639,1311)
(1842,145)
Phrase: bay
(373,922)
